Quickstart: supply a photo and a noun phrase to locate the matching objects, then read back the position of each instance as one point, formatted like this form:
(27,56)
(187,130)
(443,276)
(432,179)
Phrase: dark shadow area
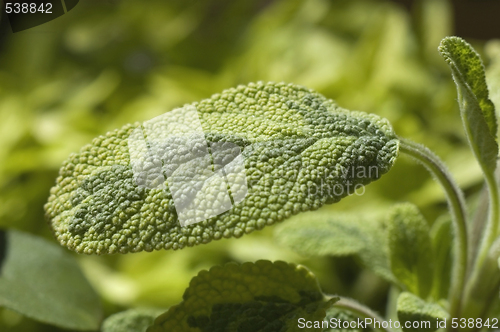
(477,19)
(3,249)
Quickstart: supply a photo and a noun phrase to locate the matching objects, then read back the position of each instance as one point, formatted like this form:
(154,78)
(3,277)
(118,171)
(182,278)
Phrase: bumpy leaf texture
(477,110)
(253,297)
(468,69)
(248,157)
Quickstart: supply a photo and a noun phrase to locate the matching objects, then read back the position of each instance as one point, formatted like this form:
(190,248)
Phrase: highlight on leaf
(257,297)
(299,151)
(467,67)
(477,110)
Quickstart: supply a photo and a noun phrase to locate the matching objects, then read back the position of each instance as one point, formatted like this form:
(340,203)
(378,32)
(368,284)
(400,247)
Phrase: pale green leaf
(251,297)
(133,320)
(339,319)
(299,151)
(42,281)
(442,242)
(338,234)
(477,110)
(417,315)
(410,247)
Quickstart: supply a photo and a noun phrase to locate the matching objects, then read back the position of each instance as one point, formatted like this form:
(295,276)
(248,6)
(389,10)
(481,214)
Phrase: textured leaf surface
(478,112)
(133,320)
(413,309)
(300,151)
(411,252)
(252,297)
(40,280)
(325,233)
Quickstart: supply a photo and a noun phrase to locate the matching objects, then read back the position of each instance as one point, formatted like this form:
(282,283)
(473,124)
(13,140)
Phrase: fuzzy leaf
(286,149)
(414,310)
(477,110)
(410,247)
(334,315)
(133,320)
(325,233)
(251,297)
(442,242)
(40,280)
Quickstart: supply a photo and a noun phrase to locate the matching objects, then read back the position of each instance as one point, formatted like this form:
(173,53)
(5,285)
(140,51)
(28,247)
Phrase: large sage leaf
(226,166)
(417,315)
(337,234)
(477,110)
(253,297)
(411,252)
(40,280)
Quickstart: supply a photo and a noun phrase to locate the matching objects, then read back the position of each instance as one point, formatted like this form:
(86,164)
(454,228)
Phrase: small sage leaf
(477,110)
(340,321)
(336,234)
(248,157)
(253,297)
(133,320)
(41,281)
(415,314)
(442,242)
(411,254)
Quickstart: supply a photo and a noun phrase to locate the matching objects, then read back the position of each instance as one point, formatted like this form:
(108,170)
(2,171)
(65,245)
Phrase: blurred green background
(108,63)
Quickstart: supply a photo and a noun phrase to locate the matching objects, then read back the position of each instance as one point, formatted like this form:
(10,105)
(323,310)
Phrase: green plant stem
(361,311)
(492,227)
(489,236)
(482,287)
(458,212)
(478,225)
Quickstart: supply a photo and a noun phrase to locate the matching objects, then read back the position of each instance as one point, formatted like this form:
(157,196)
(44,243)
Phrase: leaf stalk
(458,212)
(362,311)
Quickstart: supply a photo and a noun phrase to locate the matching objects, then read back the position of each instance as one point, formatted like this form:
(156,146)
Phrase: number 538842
(474,323)
(25,8)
